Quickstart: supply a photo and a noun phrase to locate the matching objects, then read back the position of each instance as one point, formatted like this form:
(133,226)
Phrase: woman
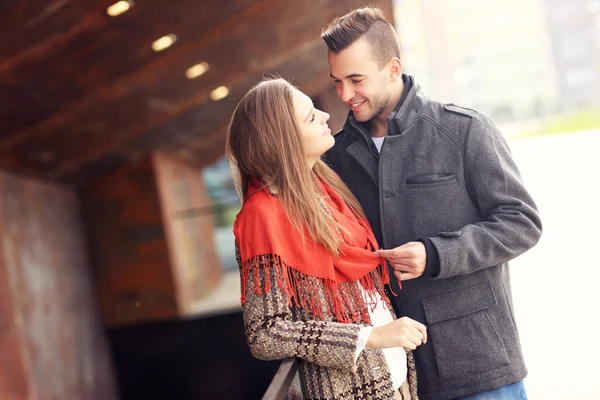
(312,286)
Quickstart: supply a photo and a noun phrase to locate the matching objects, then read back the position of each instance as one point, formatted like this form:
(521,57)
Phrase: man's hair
(367,22)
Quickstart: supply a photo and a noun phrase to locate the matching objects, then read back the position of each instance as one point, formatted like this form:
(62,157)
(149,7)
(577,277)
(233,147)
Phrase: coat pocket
(430,179)
(428,204)
(464,338)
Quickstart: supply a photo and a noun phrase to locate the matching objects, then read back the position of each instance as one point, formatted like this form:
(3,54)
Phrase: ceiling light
(164,42)
(119,8)
(196,70)
(219,93)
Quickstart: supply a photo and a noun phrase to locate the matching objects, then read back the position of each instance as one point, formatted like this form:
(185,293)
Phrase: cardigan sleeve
(273,333)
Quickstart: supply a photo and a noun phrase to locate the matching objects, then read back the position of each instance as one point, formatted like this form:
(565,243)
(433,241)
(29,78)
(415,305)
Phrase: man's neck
(379,123)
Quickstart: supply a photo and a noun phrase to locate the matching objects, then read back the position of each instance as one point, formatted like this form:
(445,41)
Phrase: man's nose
(345,93)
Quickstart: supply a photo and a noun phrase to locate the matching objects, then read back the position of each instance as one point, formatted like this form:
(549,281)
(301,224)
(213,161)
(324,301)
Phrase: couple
(432,183)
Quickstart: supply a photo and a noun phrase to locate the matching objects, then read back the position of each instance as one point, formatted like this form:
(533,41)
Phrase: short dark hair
(367,22)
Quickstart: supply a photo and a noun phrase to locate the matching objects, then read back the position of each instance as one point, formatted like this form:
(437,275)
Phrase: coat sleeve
(509,225)
(273,334)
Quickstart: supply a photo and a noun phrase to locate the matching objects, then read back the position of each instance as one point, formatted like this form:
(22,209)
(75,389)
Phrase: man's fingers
(407,250)
(403,267)
(386,253)
(405,276)
(396,253)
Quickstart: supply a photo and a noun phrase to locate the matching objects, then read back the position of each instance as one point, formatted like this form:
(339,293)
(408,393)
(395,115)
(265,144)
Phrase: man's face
(359,80)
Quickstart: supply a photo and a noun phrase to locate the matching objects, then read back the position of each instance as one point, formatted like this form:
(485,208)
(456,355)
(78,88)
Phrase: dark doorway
(205,358)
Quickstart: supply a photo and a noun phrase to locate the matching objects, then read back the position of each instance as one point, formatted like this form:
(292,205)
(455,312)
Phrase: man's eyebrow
(355,75)
(309,114)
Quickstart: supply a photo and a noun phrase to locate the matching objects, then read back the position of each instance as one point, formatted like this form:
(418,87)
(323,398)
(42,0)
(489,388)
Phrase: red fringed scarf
(267,239)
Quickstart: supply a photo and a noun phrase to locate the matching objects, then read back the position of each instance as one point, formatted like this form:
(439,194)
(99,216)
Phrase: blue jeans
(514,391)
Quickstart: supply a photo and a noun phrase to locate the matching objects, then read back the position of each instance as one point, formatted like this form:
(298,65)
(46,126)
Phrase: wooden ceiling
(82,93)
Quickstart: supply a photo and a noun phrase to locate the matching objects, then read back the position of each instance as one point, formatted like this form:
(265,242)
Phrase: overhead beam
(158,107)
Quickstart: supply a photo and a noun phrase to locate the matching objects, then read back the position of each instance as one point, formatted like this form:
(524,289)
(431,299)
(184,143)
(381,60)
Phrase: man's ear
(395,69)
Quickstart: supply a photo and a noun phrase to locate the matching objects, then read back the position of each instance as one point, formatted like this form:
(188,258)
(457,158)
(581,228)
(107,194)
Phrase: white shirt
(378,142)
(395,357)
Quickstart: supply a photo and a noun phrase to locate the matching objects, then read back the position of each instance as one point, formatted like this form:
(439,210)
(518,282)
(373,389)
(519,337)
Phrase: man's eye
(356,81)
(312,118)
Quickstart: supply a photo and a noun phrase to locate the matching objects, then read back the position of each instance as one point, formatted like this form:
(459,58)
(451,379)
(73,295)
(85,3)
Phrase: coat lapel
(361,153)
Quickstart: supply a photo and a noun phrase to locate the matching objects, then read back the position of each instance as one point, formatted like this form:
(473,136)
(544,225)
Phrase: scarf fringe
(344,301)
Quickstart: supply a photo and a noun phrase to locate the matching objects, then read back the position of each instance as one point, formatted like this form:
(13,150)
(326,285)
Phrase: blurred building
(514,59)
(574,31)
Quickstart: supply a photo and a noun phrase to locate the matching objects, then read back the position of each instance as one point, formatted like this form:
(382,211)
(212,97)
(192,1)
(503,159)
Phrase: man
(443,194)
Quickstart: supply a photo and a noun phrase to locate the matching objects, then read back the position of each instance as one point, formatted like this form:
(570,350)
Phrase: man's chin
(362,117)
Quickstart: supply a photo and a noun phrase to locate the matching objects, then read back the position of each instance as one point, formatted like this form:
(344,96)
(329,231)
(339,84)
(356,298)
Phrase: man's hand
(408,260)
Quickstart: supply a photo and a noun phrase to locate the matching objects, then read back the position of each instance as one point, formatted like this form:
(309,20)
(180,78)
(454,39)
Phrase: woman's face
(312,123)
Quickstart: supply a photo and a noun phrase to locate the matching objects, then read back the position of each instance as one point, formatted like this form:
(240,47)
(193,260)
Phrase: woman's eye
(312,118)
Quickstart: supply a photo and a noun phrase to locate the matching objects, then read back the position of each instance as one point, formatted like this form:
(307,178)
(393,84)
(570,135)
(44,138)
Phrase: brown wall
(52,344)
(151,240)
(122,215)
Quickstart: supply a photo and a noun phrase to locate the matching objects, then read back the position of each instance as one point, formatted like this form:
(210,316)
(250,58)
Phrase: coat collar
(404,115)
(408,108)
(400,119)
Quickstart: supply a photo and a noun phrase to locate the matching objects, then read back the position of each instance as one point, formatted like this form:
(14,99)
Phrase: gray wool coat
(445,174)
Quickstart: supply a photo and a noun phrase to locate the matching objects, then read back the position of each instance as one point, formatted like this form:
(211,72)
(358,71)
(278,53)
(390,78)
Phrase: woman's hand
(403,332)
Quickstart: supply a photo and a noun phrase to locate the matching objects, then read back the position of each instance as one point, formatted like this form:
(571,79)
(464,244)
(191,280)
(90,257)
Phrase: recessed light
(196,70)
(119,8)
(164,42)
(219,93)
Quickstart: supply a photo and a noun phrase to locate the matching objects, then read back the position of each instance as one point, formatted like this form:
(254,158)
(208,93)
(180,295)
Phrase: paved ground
(556,285)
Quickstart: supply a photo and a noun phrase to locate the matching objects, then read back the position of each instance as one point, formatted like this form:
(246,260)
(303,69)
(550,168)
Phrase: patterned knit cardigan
(276,330)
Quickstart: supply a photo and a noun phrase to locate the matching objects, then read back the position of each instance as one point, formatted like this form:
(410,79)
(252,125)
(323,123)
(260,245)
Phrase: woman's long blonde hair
(263,141)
